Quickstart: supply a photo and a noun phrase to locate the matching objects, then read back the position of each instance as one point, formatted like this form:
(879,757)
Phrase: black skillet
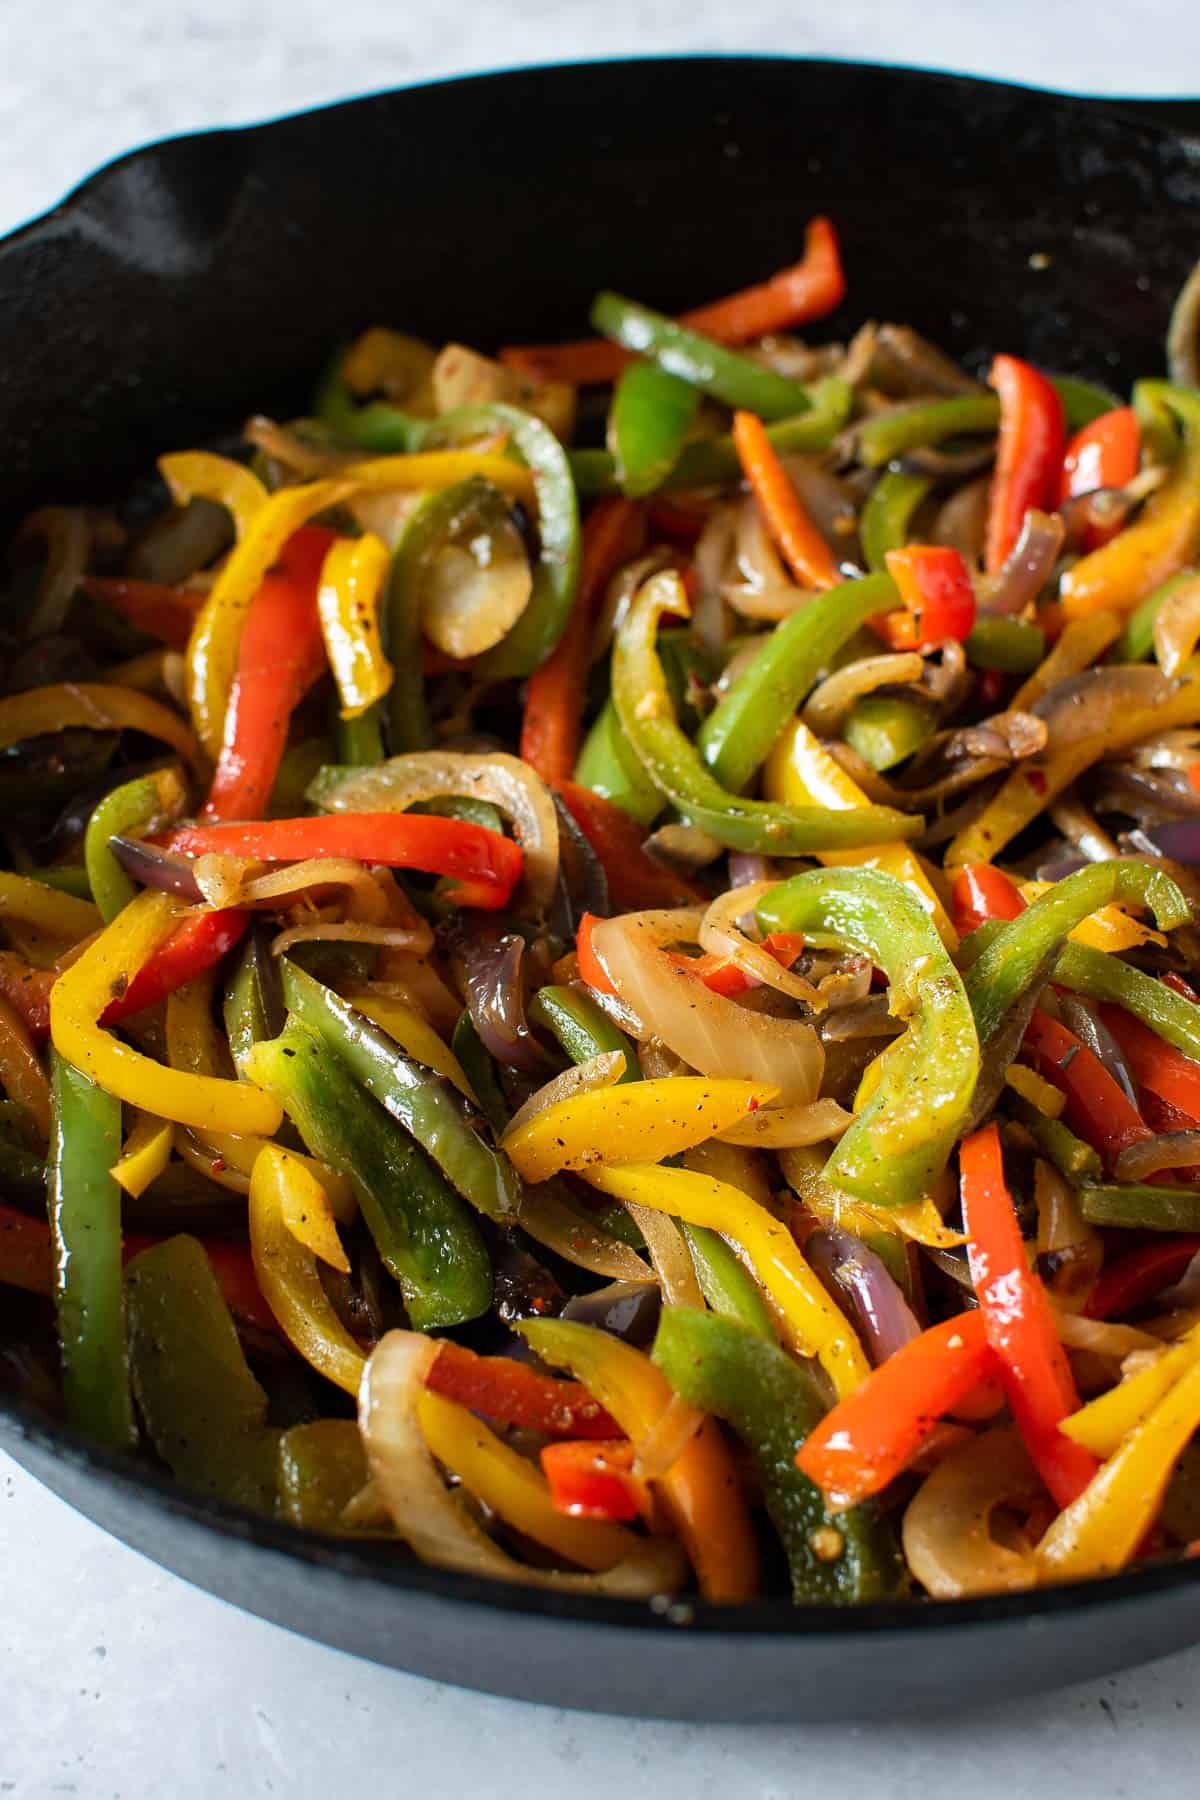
(199,278)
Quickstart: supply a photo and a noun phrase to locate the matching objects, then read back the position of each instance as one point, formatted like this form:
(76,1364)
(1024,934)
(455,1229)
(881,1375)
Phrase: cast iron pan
(199,278)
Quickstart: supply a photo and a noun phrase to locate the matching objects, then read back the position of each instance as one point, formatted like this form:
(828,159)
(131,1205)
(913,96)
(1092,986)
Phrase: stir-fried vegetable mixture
(599,978)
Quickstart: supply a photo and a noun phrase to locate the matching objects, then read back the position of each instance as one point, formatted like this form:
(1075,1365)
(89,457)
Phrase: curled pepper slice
(352,579)
(288,1276)
(638,1122)
(97,706)
(900,1141)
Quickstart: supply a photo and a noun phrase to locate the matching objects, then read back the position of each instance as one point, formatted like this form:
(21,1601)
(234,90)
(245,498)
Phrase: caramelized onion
(948,1540)
(829,703)
(1168,1150)
(1027,567)
(1177,626)
(720,935)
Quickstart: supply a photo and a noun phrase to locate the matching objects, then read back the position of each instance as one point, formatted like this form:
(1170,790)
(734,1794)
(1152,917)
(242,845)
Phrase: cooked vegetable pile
(600,979)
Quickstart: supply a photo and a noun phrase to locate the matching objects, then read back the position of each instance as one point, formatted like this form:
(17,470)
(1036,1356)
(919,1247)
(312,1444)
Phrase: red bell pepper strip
(874,1433)
(1176,982)
(1018,1320)
(167,613)
(196,946)
(515,1394)
(805,291)
(935,586)
(554,698)
(721,975)
(1138,1276)
(27,991)
(1105,454)
(280,656)
(591,969)
(982,892)
(1096,1109)
(1156,1064)
(594,1480)
(488,861)
(1029,455)
(635,881)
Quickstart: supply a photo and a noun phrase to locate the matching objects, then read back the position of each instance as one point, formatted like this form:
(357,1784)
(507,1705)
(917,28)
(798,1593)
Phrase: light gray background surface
(121,1683)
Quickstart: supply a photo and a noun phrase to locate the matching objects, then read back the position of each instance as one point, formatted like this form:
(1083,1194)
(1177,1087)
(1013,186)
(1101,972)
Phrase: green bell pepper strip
(728,1287)
(384,429)
(131,808)
(360,740)
(1014,646)
(428,1240)
(725,374)
(1136,642)
(652,413)
(85,1224)
(425,530)
(900,1142)
(644,707)
(609,768)
(299,765)
(579,1026)
(1099,976)
(322,1466)
(885,519)
(1003,971)
(1141,1206)
(594,472)
(556,577)
(736,738)
(480,1071)
(772,1403)
(204,1412)
(1083,401)
(911,427)
(1069,1154)
(1157,424)
(887,728)
(252,1006)
(66,880)
(423,1102)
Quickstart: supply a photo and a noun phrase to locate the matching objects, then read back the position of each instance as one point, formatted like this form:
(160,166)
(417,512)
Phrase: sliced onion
(868,1018)
(720,935)
(1183,333)
(885,1320)
(714,548)
(328,931)
(156,868)
(629,1310)
(1178,839)
(298,454)
(656,1454)
(669,1256)
(1089,705)
(1177,626)
(180,542)
(1167,1150)
(1099,1336)
(618,596)
(546,1217)
(710,1033)
(790,1127)
(1083,1019)
(506,781)
(68,539)
(948,1541)
(1077,825)
(904,362)
(366,901)
(961,522)
(847,982)
(829,703)
(683,847)
(1074,1249)
(600,1071)
(490,963)
(759,586)
(473,593)
(1027,567)
(433,1522)
(746,866)
(1168,750)
(221,879)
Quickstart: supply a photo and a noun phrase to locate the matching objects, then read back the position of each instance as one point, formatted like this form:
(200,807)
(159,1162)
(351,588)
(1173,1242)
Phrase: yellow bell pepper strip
(643,1121)
(647,716)
(287,1271)
(1109,928)
(201,475)
(812,1323)
(47,909)
(21,1073)
(1039,1093)
(105,970)
(352,581)
(1082,642)
(801,772)
(1101,1530)
(312,1212)
(322,1468)
(1104,1423)
(700,1490)
(96,706)
(1036,784)
(85,1223)
(514,1488)
(144,1154)
(213,647)
(442,468)
(414,1034)
(140,805)
(900,1142)
(1160,541)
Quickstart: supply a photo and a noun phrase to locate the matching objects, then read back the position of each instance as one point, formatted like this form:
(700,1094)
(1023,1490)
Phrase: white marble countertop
(122,1683)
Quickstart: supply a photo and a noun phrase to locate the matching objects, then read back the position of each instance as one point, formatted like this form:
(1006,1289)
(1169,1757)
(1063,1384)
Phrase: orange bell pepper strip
(513,1393)
(635,881)
(280,654)
(1097,1109)
(982,892)
(935,586)
(1018,1320)
(1156,1064)
(167,613)
(806,290)
(1104,454)
(591,969)
(873,1433)
(554,698)
(1028,457)
(805,551)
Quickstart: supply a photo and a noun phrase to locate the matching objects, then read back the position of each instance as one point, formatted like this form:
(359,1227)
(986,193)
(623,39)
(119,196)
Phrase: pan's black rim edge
(63,1445)
(1133,110)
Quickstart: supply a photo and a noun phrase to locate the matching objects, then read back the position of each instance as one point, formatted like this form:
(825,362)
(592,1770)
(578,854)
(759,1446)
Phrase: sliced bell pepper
(805,551)
(22,1076)
(885,518)
(651,415)
(322,1468)
(813,1324)
(702,362)
(1156,1064)
(1018,1320)
(804,291)
(1096,1106)
(886,729)
(1110,929)
(1103,1424)
(935,586)
(591,1480)
(714,461)
(773,1404)
(873,1434)
(700,1490)
(1104,454)
(353,576)
(635,880)
(144,1154)
(513,1393)
(488,862)
(288,1275)
(96,706)
(1029,456)
(1161,540)
(1173,1016)
(145,804)
(280,655)
(194,947)
(982,892)
(1138,1276)
(27,991)
(801,772)
(554,700)
(1000,645)
(1141,1206)
(888,434)
(723,976)
(160,611)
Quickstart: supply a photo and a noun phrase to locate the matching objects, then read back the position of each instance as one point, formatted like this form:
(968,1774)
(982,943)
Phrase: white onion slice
(829,703)
(948,1542)
(720,935)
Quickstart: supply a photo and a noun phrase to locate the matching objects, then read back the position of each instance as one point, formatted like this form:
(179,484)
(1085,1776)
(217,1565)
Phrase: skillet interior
(199,277)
